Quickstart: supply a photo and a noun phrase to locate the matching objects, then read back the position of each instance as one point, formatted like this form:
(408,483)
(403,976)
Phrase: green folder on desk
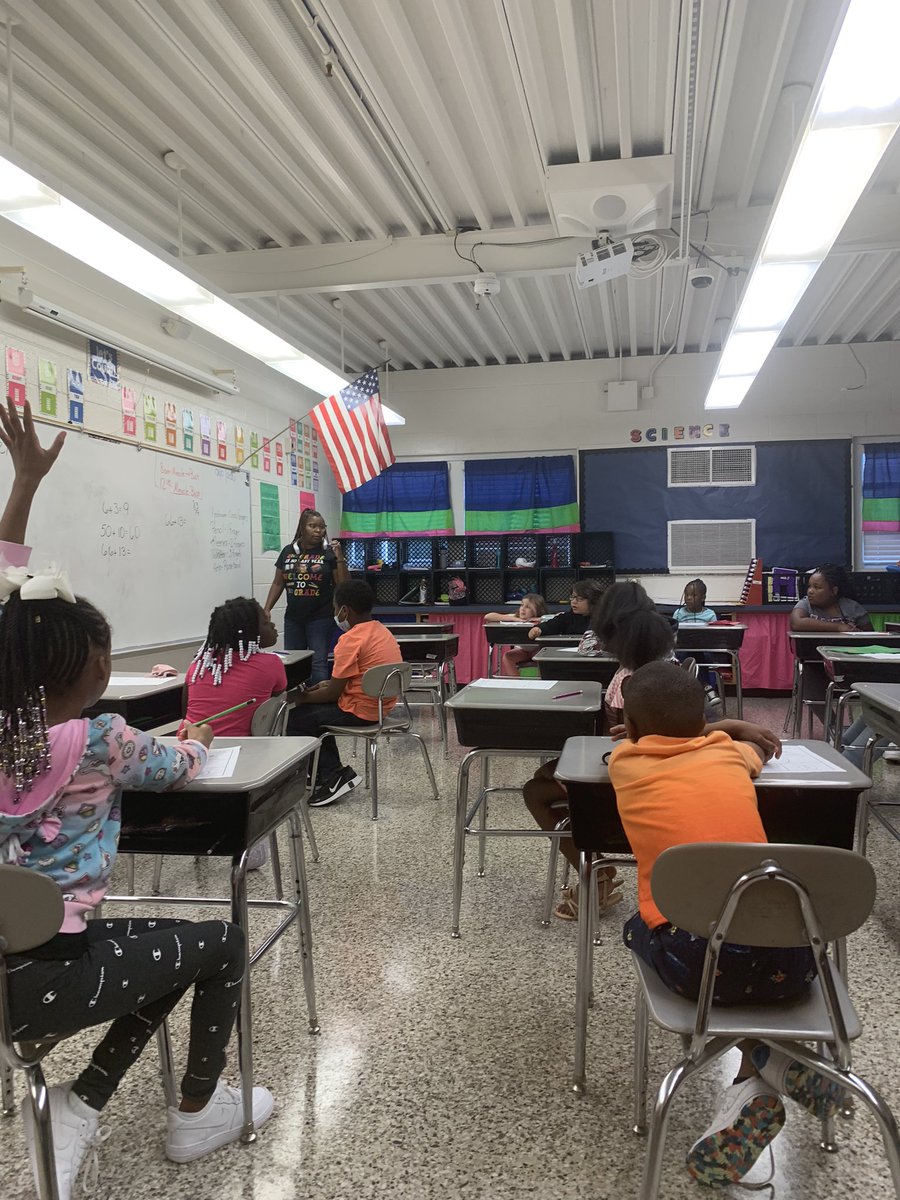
(868,649)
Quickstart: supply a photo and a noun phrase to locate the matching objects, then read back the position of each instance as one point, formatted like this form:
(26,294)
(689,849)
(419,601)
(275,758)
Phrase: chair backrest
(387,679)
(270,719)
(31,909)
(691,884)
(690,665)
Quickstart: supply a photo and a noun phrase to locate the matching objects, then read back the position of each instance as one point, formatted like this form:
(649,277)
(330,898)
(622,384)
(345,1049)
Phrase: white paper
(221,763)
(138,680)
(800,760)
(848,660)
(564,649)
(536,685)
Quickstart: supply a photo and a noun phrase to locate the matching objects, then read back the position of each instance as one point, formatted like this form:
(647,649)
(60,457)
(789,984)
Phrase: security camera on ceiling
(603,262)
(702,277)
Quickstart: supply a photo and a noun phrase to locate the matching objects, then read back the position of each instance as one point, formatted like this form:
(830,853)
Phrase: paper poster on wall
(293,461)
(15,363)
(171,436)
(239,443)
(267,463)
(48,403)
(149,431)
(205,444)
(150,411)
(15,391)
(104,364)
(292,436)
(47,374)
(75,388)
(270,516)
(307,500)
(279,466)
(129,418)
(254,450)
(187,430)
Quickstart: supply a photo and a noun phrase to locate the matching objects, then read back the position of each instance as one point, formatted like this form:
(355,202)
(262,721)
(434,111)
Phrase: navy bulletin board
(801,503)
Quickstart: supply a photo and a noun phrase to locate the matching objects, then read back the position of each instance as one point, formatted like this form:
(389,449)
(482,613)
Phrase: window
(712,466)
(881,504)
(711,545)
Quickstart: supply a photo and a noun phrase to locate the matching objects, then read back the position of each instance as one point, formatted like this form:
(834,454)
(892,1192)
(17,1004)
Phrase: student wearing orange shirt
(341,700)
(676,784)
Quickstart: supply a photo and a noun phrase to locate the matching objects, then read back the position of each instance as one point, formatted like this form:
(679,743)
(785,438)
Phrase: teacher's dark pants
(315,635)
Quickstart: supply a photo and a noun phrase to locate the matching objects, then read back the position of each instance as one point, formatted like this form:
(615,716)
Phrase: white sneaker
(749,1116)
(194,1135)
(76,1130)
(892,753)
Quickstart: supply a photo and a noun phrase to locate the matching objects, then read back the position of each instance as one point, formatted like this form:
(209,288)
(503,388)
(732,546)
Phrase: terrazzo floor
(441,1069)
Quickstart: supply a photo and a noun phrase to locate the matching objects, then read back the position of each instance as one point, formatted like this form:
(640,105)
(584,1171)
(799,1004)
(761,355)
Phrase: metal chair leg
(167,1064)
(372,773)
(304,926)
(550,888)
(641,1049)
(276,865)
(129,873)
(434,787)
(157,874)
(40,1107)
(482,813)
(582,969)
(240,915)
(308,826)
(7,1091)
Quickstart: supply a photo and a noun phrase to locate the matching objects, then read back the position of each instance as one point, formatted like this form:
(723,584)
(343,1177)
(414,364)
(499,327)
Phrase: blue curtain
(881,487)
(405,498)
(511,495)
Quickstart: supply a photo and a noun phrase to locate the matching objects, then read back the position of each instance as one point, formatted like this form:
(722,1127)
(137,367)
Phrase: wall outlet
(648,392)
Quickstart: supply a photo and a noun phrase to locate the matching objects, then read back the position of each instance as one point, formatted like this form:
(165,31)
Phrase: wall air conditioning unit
(712,466)
(711,546)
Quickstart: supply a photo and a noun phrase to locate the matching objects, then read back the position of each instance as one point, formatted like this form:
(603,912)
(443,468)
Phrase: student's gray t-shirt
(851,610)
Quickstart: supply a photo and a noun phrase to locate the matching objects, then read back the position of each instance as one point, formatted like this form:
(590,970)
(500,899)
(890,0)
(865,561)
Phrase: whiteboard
(154,540)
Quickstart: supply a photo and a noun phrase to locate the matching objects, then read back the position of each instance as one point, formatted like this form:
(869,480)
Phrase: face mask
(342,625)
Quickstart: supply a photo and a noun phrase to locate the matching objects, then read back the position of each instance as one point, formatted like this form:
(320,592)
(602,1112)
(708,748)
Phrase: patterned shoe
(817,1094)
(749,1116)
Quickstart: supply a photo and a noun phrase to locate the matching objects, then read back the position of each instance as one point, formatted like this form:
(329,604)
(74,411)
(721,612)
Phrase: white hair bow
(47,584)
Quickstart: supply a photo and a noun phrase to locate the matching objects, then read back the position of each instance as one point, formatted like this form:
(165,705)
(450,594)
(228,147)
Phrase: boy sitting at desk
(341,700)
(675,785)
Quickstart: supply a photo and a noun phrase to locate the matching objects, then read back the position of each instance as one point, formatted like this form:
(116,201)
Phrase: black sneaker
(338,785)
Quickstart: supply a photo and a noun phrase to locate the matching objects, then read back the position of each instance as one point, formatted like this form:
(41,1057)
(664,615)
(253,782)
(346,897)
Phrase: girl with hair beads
(61,779)
(231,667)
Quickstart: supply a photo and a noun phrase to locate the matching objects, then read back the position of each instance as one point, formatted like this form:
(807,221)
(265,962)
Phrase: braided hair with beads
(233,629)
(44,647)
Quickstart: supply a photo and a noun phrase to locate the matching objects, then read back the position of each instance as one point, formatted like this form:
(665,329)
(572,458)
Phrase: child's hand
(31,461)
(197,733)
(617,733)
(534,632)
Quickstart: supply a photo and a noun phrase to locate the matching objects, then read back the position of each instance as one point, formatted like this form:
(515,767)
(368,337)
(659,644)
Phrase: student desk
(807,659)
(432,652)
(555,662)
(507,719)
(424,627)
(881,712)
(820,809)
(297,666)
(142,700)
(223,818)
(505,633)
(720,646)
(847,669)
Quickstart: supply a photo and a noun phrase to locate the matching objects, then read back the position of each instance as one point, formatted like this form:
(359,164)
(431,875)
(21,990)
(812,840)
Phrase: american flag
(353,433)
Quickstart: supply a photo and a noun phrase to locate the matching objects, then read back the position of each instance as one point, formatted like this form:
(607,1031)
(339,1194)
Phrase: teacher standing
(308,570)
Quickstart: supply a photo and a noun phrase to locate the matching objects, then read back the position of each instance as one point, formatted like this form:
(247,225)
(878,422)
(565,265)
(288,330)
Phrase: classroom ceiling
(329,149)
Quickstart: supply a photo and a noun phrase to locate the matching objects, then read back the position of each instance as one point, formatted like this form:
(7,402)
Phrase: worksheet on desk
(137,680)
(800,760)
(221,763)
(534,685)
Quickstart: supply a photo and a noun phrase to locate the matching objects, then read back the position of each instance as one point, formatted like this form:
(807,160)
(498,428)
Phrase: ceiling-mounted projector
(604,262)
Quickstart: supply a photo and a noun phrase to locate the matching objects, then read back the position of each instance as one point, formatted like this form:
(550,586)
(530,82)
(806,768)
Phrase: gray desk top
(148,686)
(426,637)
(501,695)
(559,639)
(261,761)
(711,627)
(582,762)
(858,635)
(881,707)
(291,657)
(842,655)
(558,654)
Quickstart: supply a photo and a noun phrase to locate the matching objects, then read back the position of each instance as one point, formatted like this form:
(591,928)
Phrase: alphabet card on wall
(171,420)
(75,387)
(205,443)
(129,416)
(149,418)
(239,444)
(15,375)
(254,447)
(222,440)
(47,378)
(279,458)
(187,430)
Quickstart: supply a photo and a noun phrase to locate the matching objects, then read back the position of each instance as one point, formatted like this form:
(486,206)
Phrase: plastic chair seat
(368,731)
(804,1019)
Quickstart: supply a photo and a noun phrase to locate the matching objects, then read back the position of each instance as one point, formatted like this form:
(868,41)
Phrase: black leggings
(133,973)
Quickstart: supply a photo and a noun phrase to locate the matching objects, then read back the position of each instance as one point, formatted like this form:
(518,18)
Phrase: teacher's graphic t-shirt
(308,581)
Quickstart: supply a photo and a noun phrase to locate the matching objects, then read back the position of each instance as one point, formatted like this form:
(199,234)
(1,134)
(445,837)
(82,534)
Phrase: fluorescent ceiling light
(38,209)
(772,294)
(727,391)
(746,352)
(854,116)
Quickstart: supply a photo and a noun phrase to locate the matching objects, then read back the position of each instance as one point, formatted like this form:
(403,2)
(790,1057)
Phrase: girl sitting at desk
(532,607)
(828,606)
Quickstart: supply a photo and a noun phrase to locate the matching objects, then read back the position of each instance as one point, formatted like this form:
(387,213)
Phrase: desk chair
(31,912)
(757,895)
(386,682)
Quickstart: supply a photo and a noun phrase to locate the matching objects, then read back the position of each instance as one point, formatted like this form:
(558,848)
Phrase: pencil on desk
(566,695)
(224,712)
